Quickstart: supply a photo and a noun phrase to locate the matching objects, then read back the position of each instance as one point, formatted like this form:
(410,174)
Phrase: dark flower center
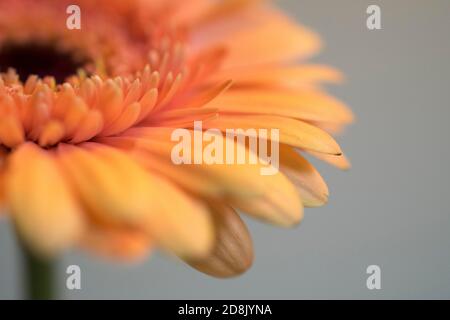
(40,59)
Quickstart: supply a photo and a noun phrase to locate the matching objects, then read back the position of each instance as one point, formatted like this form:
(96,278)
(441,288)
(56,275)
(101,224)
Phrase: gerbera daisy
(86,118)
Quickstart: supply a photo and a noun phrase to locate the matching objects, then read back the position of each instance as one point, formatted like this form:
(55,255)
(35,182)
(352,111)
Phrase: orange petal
(148,102)
(182,118)
(42,205)
(258,36)
(74,115)
(133,94)
(110,102)
(223,9)
(52,133)
(203,97)
(90,126)
(116,243)
(11,131)
(194,11)
(129,116)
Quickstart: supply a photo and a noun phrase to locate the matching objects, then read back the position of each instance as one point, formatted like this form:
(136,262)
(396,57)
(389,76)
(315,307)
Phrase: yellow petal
(42,206)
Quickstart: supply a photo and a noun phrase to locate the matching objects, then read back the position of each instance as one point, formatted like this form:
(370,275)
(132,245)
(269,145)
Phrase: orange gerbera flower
(86,118)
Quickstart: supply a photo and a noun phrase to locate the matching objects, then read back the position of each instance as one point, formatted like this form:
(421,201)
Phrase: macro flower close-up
(88,115)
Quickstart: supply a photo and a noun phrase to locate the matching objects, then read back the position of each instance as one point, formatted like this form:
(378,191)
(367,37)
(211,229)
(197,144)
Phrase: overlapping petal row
(87,161)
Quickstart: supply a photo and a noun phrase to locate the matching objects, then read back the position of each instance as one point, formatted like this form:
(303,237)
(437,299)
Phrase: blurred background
(392,209)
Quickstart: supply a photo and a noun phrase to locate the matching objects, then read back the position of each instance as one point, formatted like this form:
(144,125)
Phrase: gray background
(391,209)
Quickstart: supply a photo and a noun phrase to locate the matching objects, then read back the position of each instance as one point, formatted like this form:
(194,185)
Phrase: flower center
(41,59)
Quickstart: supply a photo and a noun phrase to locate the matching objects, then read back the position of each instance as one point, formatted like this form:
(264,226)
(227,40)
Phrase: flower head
(86,118)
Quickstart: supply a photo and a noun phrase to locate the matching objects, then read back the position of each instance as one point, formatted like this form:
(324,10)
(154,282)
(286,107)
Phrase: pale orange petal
(306,105)
(313,189)
(280,205)
(117,189)
(292,132)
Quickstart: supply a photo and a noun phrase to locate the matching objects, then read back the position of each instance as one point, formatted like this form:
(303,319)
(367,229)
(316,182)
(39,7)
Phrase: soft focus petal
(117,243)
(258,35)
(42,205)
(269,197)
(116,189)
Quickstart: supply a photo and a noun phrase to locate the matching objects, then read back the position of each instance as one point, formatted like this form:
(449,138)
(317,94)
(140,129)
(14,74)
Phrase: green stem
(39,276)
